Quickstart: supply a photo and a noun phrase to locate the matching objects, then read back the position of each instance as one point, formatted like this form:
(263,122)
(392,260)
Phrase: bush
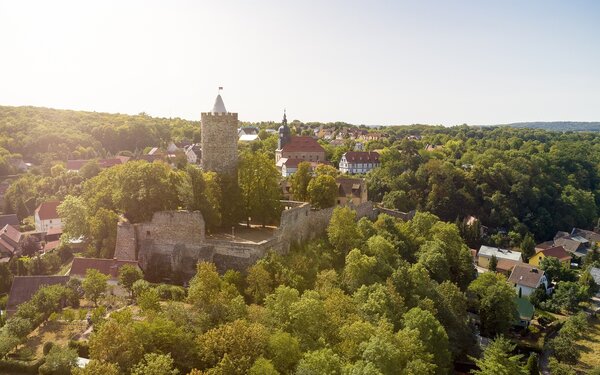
(47,346)
(82,348)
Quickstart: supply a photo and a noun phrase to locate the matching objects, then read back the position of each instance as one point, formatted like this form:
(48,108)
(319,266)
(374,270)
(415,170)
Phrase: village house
(9,219)
(485,253)
(24,287)
(576,245)
(525,279)
(46,216)
(359,161)
(558,252)
(11,240)
(192,153)
(351,191)
(76,164)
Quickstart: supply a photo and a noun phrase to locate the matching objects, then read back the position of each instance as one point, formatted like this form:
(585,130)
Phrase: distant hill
(560,126)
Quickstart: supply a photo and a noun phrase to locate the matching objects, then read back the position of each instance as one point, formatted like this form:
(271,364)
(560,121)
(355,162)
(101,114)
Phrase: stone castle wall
(174,241)
(219,142)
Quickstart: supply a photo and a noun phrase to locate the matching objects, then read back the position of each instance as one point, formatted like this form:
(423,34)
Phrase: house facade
(526,279)
(46,216)
(353,162)
(486,253)
(558,252)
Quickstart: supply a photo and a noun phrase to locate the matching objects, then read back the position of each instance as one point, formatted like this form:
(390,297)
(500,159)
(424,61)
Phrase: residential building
(10,241)
(485,253)
(351,191)
(558,252)
(590,236)
(46,216)
(359,161)
(192,153)
(76,164)
(24,287)
(525,279)
(578,246)
(248,138)
(10,219)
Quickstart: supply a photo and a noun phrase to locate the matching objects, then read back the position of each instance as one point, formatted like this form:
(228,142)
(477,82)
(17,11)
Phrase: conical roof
(219,106)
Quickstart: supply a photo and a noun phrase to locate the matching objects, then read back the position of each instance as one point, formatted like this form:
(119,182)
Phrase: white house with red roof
(359,161)
(46,216)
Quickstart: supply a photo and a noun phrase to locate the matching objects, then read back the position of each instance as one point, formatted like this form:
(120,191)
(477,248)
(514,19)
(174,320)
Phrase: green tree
(128,275)
(284,351)
(498,360)
(259,281)
(342,230)
(59,361)
(155,364)
(73,212)
(95,367)
(300,181)
(322,191)
(360,270)
(528,247)
(117,342)
(94,285)
(149,300)
(323,361)
(497,305)
(259,186)
(532,364)
(432,335)
(262,366)
(493,264)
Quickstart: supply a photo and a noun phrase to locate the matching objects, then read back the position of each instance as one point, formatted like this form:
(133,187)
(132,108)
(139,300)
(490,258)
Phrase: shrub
(47,346)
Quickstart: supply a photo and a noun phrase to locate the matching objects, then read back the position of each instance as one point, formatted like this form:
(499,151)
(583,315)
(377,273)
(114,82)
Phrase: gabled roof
(108,267)
(9,219)
(362,157)
(573,246)
(488,251)
(349,186)
(526,275)
(6,247)
(303,144)
(47,210)
(11,234)
(587,234)
(556,252)
(24,287)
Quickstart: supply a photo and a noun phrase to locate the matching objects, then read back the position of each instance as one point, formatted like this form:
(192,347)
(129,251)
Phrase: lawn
(590,347)
(59,332)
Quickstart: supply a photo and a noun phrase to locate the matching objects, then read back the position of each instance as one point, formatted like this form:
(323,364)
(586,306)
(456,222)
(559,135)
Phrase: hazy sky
(364,62)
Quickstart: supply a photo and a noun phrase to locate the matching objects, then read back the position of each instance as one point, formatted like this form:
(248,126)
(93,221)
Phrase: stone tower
(219,140)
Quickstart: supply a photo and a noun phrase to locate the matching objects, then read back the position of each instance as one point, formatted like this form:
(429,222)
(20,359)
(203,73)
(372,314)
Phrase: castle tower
(219,139)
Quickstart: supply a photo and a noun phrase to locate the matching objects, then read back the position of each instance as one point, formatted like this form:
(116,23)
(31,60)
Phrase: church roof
(303,144)
(219,106)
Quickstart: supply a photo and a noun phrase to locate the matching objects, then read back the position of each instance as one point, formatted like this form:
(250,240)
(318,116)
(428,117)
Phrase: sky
(363,62)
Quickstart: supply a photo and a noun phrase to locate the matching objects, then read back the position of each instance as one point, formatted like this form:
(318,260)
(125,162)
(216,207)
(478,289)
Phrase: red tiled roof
(362,157)
(349,186)
(506,264)
(300,144)
(51,245)
(556,252)
(47,210)
(11,234)
(108,267)
(24,287)
(75,165)
(6,247)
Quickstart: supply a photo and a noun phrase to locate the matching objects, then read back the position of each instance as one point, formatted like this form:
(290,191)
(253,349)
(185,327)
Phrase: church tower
(219,139)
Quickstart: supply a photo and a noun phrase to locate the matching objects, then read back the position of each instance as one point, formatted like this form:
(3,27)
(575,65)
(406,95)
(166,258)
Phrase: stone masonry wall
(174,241)
(219,142)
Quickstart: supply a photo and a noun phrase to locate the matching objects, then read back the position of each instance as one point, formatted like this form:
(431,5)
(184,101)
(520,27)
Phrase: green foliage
(155,364)
(284,351)
(262,366)
(497,306)
(94,285)
(259,187)
(59,361)
(149,300)
(497,359)
(322,191)
(128,275)
(532,364)
(323,361)
(342,230)
(493,263)
(300,181)
(95,367)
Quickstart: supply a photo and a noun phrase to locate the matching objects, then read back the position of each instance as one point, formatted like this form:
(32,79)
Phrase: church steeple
(285,134)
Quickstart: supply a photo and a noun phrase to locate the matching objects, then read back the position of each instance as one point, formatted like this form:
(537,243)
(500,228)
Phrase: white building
(46,216)
(525,279)
(359,161)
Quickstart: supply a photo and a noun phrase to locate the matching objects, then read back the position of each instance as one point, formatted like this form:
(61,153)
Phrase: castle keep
(219,139)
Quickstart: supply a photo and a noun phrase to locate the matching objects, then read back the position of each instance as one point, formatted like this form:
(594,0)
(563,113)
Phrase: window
(147,233)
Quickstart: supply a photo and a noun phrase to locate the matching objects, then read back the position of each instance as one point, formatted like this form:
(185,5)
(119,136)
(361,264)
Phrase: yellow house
(557,252)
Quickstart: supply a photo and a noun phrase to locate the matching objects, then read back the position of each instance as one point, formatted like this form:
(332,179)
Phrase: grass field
(590,347)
